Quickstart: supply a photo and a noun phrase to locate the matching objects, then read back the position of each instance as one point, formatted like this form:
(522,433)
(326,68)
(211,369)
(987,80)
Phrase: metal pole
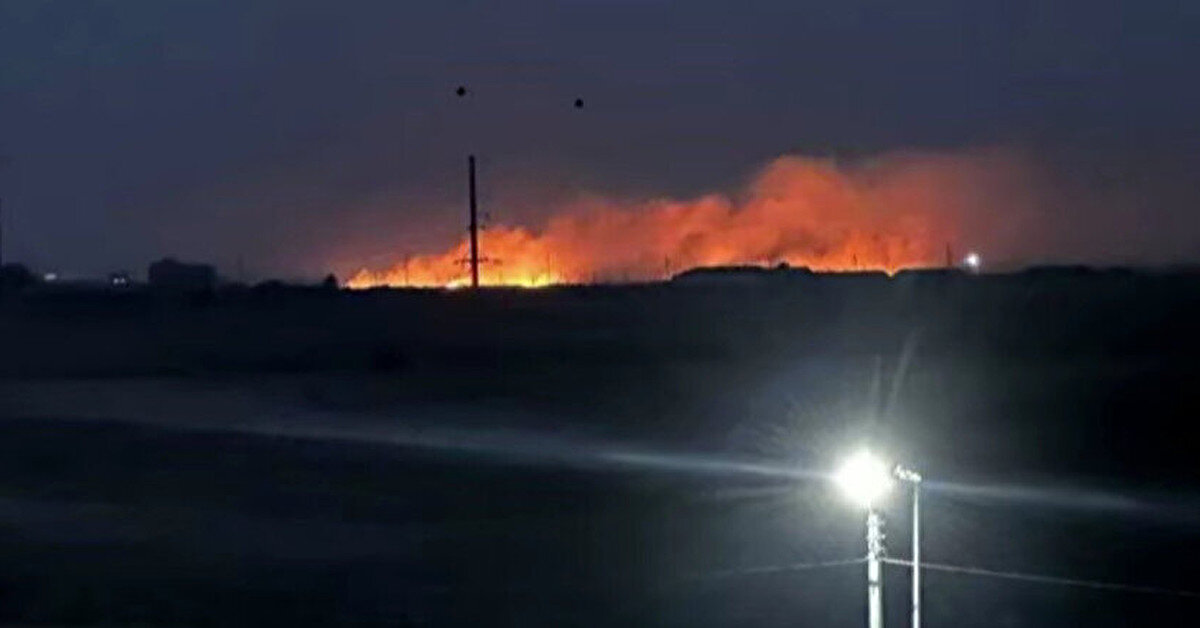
(916,555)
(874,571)
(914,478)
(474,226)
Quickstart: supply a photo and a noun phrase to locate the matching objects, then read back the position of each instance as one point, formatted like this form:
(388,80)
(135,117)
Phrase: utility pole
(916,555)
(474,225)
(914,479)
(863,478)
(874,569)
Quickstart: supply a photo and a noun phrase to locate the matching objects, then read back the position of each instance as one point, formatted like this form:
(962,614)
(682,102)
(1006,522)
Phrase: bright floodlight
(863,478)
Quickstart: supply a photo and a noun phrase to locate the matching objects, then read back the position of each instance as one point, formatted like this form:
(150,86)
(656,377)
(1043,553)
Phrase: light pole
(914,479)
(864,479)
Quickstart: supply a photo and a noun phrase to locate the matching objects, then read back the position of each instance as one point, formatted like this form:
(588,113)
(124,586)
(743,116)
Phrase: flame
(890,213)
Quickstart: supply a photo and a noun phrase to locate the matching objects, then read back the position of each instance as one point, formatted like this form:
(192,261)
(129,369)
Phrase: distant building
(175,275)
(15,277)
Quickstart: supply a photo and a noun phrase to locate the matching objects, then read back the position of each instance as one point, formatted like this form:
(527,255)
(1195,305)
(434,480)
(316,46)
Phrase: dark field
(553,458)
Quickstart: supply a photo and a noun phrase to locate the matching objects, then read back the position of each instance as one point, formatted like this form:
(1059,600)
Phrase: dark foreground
(555,458)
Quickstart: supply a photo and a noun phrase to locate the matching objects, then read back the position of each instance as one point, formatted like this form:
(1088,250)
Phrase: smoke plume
(887,213)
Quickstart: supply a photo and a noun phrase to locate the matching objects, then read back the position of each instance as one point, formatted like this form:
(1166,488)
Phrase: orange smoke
(890,213)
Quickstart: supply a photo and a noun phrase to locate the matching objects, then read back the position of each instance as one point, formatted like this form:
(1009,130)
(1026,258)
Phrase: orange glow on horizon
(886,215)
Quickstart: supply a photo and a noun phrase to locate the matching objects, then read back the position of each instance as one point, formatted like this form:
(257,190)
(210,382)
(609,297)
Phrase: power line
(971,571)
(773,569)
(1043,579)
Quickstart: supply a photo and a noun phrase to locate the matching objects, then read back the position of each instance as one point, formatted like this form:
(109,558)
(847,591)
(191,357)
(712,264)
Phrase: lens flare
(863,478)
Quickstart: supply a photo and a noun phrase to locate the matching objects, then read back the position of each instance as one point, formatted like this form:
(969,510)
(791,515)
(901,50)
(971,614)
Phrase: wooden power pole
(474,225)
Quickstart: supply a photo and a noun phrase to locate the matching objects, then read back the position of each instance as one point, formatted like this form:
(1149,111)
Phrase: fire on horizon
(894,212)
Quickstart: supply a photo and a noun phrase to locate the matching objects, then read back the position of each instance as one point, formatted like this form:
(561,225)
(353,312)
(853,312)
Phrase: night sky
(301,136)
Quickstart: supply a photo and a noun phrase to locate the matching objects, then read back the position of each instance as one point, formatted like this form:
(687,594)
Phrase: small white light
(863,478)
(972,261)
(50,277)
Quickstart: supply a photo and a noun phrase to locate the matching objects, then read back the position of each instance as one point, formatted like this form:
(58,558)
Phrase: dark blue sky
(301,135)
